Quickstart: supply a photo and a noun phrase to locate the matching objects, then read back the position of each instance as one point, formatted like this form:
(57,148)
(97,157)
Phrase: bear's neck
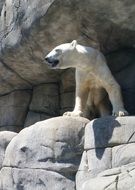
(84,49)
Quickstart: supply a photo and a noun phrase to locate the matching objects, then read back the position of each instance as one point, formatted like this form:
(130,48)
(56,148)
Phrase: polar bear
(93,78)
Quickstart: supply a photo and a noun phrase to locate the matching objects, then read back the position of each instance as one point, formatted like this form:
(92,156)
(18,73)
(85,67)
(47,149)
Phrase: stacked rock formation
(70,153)
(44,156)
(108,160)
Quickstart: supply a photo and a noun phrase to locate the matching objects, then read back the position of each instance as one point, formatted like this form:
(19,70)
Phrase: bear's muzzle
(52,62)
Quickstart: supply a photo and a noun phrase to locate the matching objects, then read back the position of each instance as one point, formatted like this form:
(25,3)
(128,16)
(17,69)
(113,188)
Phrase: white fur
(92,76)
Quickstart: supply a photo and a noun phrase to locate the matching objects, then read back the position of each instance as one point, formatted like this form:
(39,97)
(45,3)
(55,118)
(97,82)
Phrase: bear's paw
(74,114)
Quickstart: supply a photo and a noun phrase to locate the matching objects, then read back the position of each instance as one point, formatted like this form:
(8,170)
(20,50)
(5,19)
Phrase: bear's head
(60,55)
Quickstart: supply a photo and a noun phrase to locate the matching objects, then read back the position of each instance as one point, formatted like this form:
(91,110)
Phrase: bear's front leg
(113,89)
(115,96)
(80,102)
(81,96)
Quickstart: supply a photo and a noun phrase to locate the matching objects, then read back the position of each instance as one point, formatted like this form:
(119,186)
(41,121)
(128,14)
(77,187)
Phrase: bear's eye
(58,51)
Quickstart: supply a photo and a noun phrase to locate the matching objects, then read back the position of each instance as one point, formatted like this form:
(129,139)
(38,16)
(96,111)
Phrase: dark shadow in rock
(103,130)
(121,64)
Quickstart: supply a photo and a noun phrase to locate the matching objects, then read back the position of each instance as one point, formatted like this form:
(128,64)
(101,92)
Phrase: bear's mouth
(55,63)
(52,63)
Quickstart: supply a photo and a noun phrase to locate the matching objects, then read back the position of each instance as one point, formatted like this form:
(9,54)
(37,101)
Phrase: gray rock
(54,144)
(83,174)
(33,117)
(46,99)
(45,153)
(1,4)
(67,100)
(10,80)
(120,178)
(123,179)
(100,184)
(109,131)
(16,19)
(123,154)
(120,63)
(13,109)
(108,161)
(111,14)
(11,128)
(5,138)
(95,162)
(91,165)
(36,179)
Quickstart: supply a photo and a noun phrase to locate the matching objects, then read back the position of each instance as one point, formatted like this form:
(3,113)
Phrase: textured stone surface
(45,153)
(11,128)
(9,80)
(67,100)
(96,163)
(49,152)
(108,161)
(121,178)
(13,109)
(110,131)
(123,154)
(46,99)
(5,138)
(33,117)
(56,140)
(122,67)
(16,18)
(36,179)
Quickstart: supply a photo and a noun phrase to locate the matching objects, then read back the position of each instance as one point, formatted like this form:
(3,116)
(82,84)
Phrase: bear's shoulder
(85,49)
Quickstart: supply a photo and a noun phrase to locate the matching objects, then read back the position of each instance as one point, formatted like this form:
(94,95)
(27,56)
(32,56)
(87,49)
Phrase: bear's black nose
(47,59)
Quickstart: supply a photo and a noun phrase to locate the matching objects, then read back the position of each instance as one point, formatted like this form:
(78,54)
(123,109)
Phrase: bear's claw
(120,113)
(74,114)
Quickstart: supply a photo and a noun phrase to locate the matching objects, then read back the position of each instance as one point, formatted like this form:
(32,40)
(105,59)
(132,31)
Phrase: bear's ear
(73,44)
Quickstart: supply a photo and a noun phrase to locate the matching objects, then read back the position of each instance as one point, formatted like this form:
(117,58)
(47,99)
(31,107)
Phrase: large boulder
(5,138)
(50,154)
(108,160)
(45,155)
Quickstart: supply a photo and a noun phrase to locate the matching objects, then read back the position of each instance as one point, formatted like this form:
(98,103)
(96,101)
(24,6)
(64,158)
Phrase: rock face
(108,160)
(5,138)
(13,110)
(70,153)
(44,156)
